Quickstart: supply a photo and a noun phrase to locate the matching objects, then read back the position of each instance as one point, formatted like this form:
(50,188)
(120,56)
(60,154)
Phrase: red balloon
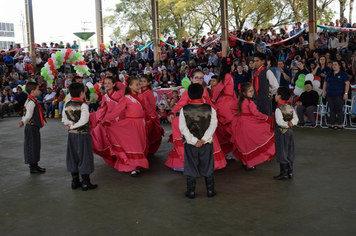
(317,78)
(220,54)
(162,44)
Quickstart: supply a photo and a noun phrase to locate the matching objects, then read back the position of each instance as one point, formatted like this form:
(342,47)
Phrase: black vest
(35,119)
(264,87)
(197,117)
(73,113)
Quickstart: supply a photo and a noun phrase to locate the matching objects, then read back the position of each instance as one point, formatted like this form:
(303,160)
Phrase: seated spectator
(58,102)
(133,66)
(207,75)
(162,113)
(213,59)
(47,100)
(307,102)
(87,79)
(139,70)
(322,44)
(164,100)
(20,99)
(20,68)
(6,103)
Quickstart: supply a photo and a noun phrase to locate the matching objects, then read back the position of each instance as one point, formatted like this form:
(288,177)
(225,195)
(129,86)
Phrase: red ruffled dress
(253,138)
(101,144)
(176,156)
(224,95)
(154,129)
(127,137)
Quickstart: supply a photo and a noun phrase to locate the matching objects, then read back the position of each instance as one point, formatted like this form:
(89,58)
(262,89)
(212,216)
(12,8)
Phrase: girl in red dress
(128,137)
(101,145)
(223,97)
(175,158)
(253,138)
(154,129)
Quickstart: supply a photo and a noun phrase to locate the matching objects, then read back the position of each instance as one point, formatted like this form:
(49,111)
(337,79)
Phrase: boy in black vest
(33,118)
(197,123)
(80,158)
(285,119)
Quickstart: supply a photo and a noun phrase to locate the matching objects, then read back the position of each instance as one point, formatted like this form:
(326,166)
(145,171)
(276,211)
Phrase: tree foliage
(191,18)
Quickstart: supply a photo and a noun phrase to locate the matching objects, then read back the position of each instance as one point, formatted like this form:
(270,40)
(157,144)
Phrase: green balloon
(318,22)
(301,77)
(107,45)
(300,83)
(185,83)
(92,90)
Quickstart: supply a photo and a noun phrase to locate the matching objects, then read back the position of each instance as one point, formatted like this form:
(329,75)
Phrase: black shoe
(134,173)
(339,128)
(290,170)
(283,175)
(36,169)
(250,168)
(86,183)
(191,182)
(76,181)
(190,195)
(210,185)
(331,127)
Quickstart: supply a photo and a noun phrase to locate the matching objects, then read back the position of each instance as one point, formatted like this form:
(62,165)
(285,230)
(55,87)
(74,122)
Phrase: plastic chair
(348,111)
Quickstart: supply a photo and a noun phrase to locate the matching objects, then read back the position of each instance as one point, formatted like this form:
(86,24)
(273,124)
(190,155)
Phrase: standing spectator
(75,46)
(240,77)
(336,88)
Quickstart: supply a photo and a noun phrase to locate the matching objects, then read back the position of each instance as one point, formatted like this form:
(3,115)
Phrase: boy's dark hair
(308,82)
(284,92)
(30,86)
(75,78)
(260,55)
(214,77)
(114,71)
(195,91)
(75,89)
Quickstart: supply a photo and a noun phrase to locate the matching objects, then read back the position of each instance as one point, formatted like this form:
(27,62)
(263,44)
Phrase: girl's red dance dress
(154,129)
(127,137)
(223,97)
(176,156)
(101,145)
(253,138)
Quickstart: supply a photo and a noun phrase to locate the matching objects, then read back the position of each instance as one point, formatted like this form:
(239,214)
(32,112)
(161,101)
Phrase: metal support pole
(225,26)
(99,23)
(155,22)
(313,35)
(30,31)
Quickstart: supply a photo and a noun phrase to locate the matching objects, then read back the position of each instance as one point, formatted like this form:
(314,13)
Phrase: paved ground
(319,201)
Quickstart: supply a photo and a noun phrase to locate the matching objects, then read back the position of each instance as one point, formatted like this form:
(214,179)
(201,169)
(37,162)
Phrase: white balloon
(320,91)
(14,90)
(298,91)
(316,84)
(90,85)
(309,77)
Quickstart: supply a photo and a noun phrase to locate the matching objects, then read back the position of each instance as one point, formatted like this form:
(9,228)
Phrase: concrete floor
(319,201)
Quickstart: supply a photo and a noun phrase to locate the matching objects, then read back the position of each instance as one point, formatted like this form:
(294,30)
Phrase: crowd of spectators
(287,60)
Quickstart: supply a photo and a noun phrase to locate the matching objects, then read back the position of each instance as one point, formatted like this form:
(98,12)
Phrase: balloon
(107,45)
(318,22)
(90,85)
(14,90)
(320,91)
(302,77)
(316,84)
(309,77)
(162,44)
(96,86)
(93,97)
(92,90)
(298,91)
(185,83)
(220,54)
(300,83)
(317,78)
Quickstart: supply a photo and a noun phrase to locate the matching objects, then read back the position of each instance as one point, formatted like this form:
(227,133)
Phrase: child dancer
(33,118)
(175,158)
(127,137)
(285,119)
(197,123)
(223,97)
(101,145)
(155,131)
(252,136)
(80,157)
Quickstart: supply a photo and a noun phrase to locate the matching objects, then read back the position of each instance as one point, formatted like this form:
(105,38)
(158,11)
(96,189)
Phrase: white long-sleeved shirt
(333,43)
(208,135)
(84,118)
(283,124)
(272,80)
(30,107)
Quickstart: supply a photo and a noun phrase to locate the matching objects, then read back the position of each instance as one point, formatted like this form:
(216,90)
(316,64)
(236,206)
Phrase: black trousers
(336,104)
(198,161)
